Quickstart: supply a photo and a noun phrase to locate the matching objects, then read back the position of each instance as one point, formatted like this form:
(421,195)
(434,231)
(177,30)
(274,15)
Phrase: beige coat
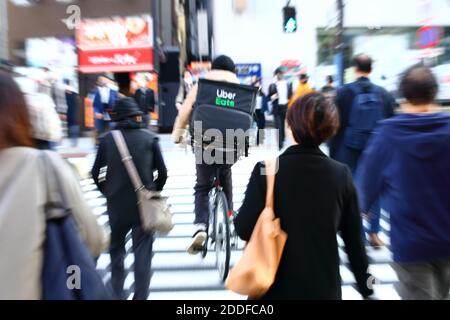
(184,114)
(22,219)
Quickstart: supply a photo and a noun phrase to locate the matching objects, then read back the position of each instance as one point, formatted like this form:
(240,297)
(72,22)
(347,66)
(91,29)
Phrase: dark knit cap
(125,108)
(224,63)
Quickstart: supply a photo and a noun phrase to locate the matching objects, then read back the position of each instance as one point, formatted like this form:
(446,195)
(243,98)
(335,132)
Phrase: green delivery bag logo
(225,99)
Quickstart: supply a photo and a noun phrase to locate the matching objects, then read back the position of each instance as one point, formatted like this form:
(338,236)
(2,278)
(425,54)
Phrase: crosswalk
(179,276)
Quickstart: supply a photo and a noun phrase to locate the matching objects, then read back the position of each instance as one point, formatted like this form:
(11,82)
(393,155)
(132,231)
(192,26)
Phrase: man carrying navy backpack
(361,106)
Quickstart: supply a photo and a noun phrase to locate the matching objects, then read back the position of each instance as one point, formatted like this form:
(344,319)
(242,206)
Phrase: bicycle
(219,230)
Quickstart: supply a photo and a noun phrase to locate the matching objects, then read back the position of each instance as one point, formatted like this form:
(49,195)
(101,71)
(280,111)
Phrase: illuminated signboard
(117,44)
(51,52)
(248,73)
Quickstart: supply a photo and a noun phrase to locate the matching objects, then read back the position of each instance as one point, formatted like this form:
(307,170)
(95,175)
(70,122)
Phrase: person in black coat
(145,98)
(112,179)
(72,110)
(260,110)
(280,92)
(315,199)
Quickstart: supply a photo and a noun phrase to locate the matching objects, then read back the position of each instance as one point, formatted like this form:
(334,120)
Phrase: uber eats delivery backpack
(221,106)
(367,110)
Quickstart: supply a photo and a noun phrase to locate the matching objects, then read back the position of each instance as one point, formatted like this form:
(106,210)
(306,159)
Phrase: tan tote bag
(255,272)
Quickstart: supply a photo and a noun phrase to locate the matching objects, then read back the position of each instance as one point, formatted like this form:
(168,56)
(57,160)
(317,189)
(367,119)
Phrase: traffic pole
(340,45)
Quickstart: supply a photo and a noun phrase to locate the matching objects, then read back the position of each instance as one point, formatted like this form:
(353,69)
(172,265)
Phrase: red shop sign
(116,60)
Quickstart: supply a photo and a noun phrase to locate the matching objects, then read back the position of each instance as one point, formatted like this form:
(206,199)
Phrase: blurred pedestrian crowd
(382,158)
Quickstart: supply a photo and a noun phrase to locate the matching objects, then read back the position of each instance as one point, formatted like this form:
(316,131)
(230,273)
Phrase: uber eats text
(225,99)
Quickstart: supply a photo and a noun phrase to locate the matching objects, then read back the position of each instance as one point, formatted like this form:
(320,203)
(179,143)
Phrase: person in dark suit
(145,98)
(260,112)
(315,199)
(279,93)
(112,179)
(104,100)
(72,110)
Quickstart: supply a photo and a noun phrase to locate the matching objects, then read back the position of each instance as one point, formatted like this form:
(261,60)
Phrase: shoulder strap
(360,88)
(56,202)
(270,178)
(127,160)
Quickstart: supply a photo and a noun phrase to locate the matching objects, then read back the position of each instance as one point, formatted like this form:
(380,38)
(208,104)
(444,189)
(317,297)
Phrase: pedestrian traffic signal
(289,19)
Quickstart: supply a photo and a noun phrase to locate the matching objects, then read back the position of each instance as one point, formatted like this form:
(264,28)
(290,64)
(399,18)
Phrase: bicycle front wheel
(222,236)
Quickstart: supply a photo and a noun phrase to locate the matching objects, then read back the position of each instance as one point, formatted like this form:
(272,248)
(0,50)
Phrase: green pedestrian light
(289,19)
(291,26)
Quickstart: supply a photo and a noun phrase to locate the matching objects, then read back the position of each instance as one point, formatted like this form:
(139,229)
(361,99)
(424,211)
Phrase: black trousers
(261,123)
(142,250)
(146,120)
(205,183)
(280,119)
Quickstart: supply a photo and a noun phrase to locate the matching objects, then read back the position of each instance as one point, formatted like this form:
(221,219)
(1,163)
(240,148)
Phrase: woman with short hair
(315,199)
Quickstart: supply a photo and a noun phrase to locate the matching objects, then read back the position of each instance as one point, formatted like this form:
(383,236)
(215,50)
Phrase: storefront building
(396,33)
(49,19)
(44,35)
(82,39)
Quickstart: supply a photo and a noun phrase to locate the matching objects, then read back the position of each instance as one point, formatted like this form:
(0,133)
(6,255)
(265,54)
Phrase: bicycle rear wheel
(222,236)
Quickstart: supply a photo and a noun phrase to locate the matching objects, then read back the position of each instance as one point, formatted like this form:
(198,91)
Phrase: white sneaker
(198,240)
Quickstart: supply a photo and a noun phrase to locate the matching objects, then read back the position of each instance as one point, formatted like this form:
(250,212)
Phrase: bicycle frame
(212,206)
(218,231)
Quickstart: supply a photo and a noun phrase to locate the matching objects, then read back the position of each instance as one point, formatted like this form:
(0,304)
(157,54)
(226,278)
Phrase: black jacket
(273,90)
(315,199)
(145,98)
(72,104)
(117,188)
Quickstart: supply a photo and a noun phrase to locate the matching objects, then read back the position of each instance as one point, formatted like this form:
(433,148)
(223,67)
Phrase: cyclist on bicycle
(223,69)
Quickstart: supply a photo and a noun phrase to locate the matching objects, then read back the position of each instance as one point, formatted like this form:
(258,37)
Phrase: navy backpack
(367,110)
